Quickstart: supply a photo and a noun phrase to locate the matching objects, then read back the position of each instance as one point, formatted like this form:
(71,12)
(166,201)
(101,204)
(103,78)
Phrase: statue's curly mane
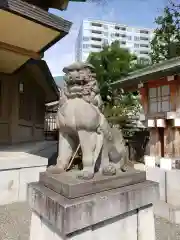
(80,82)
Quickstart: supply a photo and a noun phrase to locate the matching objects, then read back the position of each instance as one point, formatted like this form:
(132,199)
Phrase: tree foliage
(112,64)
(166,41)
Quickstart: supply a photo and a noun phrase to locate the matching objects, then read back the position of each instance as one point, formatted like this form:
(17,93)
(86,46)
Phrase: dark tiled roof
(36,14)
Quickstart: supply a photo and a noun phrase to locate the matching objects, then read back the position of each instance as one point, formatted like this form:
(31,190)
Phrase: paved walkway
(15,222)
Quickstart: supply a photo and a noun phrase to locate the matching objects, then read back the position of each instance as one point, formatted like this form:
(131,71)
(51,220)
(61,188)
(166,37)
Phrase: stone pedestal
(124,212)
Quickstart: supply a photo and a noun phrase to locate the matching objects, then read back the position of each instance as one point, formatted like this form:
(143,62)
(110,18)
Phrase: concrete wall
(21,165)
(13,184)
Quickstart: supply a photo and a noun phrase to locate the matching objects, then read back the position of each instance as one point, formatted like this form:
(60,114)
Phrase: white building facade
(93,34)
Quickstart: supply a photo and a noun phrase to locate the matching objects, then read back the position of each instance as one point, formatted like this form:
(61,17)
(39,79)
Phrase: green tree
(111,64)
(166,41)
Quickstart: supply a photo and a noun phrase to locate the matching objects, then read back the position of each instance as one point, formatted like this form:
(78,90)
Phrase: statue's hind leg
(91,143)
(66,149)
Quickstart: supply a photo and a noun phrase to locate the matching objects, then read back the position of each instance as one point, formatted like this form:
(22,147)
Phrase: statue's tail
(118,152)
(119,146)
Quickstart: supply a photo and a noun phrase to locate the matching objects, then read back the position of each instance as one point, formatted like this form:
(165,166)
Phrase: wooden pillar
(173,94)
(14,112)
(144,98)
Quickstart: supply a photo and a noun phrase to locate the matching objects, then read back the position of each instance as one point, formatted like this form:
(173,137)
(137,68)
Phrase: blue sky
(131,12)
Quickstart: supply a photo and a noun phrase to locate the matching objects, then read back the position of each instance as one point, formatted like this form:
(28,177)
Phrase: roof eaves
(146,73)
(36,14)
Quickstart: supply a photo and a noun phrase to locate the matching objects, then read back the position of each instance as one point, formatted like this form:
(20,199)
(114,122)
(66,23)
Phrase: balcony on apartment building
(144,38)
(96,40)
(95,47)
(144,46)
(120,28)
(96,27)
(96,33)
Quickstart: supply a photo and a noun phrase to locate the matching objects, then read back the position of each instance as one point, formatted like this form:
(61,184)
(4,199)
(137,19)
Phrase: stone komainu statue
(80,121)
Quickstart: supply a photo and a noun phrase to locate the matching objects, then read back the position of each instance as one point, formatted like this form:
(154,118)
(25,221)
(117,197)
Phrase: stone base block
(122,213)
(122,227)
(68,185)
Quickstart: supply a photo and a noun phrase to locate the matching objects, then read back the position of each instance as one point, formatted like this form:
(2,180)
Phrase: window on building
(144,31)
(117,35)
(95,46)
(96,24)
(144,52)
(136,38)
(120,28)
(136,45)
(96,32)
(129,37)
(123,43)
(106,27)
(96,39)
(85,45)
(117,27)
(144,38)
(123,35)
(106,34)
(123,28)
(143,60)
(159,99)
(144,45)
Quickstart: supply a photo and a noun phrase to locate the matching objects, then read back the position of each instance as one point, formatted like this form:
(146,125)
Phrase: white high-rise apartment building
(93,34)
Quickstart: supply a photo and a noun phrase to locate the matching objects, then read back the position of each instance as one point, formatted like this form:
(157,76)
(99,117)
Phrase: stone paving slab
(15,222)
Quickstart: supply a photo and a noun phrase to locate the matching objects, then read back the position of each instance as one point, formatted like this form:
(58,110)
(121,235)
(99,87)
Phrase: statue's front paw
(55,170)
(85,175)
(109,170)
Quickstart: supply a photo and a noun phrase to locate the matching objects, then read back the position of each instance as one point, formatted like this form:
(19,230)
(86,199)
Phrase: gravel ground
(15,222)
